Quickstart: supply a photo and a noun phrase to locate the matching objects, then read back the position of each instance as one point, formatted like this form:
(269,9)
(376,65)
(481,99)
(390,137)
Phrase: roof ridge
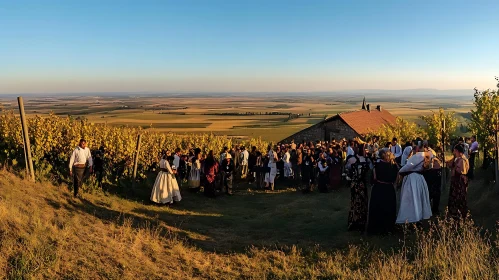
(353,111)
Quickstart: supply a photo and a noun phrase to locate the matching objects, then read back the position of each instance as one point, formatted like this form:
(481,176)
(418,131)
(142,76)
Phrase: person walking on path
(80,159)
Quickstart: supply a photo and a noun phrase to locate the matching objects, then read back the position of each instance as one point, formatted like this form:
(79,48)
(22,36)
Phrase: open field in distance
(258,115)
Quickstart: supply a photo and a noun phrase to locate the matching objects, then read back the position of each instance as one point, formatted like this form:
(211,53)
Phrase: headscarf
(405,155)
(414,164)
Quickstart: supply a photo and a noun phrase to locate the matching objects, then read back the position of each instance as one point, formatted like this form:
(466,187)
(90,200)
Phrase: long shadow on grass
(282,219)
(249,218)
(103,212)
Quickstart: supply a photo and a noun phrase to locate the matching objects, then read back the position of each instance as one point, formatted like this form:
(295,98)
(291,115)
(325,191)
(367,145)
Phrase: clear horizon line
(234,92)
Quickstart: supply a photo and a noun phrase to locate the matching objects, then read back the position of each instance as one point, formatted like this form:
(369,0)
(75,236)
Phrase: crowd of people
(374,173)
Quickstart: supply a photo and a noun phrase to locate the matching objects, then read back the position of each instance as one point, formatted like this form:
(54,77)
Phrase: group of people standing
(198,170)
(305,163)
(415,170)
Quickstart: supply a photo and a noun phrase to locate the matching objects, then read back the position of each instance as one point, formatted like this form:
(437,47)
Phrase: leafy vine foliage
(402,129)
(434,126)
(484,118)
(53,138)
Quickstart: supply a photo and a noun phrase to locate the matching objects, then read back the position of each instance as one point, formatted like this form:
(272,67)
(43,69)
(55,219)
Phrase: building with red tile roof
(346,125)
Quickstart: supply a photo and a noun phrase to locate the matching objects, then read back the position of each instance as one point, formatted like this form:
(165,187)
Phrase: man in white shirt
(176,158)
(244,162)
(350,151)
(396,150)
(80,157)
(176,164)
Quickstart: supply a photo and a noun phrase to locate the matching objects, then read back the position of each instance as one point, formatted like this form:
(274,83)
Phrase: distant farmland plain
(269,116)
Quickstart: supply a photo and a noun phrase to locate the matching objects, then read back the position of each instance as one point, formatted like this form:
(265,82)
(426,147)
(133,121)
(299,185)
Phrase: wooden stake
(25,158)
(27,146)
(136,159)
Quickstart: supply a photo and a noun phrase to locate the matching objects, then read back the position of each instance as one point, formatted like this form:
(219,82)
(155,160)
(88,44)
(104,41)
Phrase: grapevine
(53,138)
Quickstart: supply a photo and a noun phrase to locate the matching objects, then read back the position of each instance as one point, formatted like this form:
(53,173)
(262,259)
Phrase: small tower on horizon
(364,104)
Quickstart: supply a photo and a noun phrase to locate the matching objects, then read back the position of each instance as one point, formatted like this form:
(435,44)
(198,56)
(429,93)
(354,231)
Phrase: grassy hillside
(47,234)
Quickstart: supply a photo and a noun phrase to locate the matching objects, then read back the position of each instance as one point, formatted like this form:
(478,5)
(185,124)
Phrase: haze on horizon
(258,46)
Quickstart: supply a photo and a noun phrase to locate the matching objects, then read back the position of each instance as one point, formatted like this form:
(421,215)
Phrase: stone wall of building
(338,129)
(313,133)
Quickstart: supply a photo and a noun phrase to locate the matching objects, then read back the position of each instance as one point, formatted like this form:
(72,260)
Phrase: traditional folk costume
(211,167)
(433,178)
(414,199)
(406,155)
(259,173)
(280,166)
(297,160)
(335,167)
(176,166)
(397,152)
(288,171)
(165,189)
(323,175)
(357,217)
(80,158)
(270,176)
(458,206)
(244,163)
(473,151)
(307,172)
(252,158)
(383,203)
(194,180)
(227,174)
(236,158)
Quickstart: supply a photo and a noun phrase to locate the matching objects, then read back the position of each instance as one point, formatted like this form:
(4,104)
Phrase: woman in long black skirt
(358,167)
(383,205)
(323,175)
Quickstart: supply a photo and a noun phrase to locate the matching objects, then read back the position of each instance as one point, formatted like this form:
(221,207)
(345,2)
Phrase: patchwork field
(272,117)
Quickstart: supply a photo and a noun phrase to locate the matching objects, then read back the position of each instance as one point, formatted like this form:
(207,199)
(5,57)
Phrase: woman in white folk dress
(415,197)
(270,176)
(195,174)
(165,189)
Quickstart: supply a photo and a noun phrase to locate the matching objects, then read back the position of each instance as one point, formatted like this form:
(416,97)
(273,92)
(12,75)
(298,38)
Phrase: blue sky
(176,46)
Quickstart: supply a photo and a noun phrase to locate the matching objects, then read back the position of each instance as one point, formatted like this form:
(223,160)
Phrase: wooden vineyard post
(136,158)
(26,159)
(443,170)
(27,146)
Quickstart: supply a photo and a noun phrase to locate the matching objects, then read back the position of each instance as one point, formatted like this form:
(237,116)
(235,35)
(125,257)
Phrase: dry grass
(46,234)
